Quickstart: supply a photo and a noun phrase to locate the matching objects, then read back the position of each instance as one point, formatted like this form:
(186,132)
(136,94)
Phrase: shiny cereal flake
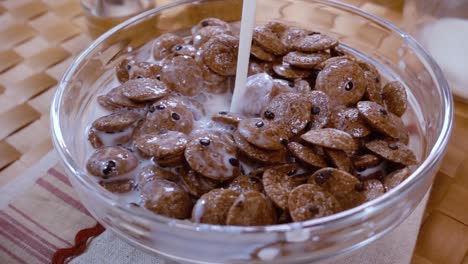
(228,118)
(117,121)
(119,186)
(161,145)
(144,89)
(372,70)
(289,72)
(395,98)
(259,154)
(196,184)
(153,172)
(205,34)
(373,90)
(331,138)
(213,207)
(309,201)
(251,209)
(315,42)
(292,117)
(257,66)
(403,133)
(320,109)
(245,183)
(350,121)
(211,22)
(305,60)
(292,35)
(211,157)
(166,198)
(171,161)
(168,114)
(393,151)
(343,82)
(335,60)
(162,46)
(129,69)
(366,161)
(94,139)
(268,40)
(184,50)
(220,54)
(210,76)
(116,98)
(393,179)
(110,162)
(302,86)
(183,75)
(122,69)
(278,185)
(340,160)
(373,189)
(306,155)
(262,133)
(261,54)
(340,184)
(104,102)
(378,117)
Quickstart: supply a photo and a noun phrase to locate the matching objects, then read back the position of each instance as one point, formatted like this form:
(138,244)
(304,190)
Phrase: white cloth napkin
(395,247)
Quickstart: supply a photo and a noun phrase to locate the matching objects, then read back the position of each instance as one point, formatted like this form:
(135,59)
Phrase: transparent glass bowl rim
(337,220)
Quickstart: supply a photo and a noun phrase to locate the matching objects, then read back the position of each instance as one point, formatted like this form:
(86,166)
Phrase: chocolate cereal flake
(144,89)
(305,60)
(395,98)
(343,82)
(111,162)
(278,185)
(209,156)
(393,151)
(166,198)
(306,155)
(393,179)
(330,138)
(309,201)
(213,207)
(340,184)
(251,209)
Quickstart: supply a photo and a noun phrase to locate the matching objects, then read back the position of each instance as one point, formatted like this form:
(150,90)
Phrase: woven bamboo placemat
(38,40)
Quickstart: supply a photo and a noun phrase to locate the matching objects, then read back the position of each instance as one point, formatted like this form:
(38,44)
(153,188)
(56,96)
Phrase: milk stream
(247,26)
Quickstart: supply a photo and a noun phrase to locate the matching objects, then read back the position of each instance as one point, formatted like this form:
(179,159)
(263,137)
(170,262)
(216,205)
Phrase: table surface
(38,40)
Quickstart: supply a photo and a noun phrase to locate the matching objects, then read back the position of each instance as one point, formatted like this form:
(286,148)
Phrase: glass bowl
(398,56)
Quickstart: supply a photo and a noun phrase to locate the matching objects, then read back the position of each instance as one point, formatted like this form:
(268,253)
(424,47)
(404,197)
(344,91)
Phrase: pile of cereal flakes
(319,132)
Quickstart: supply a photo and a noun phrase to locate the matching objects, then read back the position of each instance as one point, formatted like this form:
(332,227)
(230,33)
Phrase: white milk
(446,40)
(247,26)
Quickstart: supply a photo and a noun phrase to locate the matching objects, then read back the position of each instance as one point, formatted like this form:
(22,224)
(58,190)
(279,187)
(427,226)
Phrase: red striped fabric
(63,178)
(26,230)
(22,244)
(12,255)
(45,219)
(25,216)
(63,196)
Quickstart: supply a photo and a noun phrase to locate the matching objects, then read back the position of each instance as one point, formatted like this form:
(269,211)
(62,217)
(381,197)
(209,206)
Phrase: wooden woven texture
(38,40)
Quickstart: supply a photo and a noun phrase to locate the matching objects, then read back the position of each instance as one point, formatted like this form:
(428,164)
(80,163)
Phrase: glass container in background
(101,15)
(442,28)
